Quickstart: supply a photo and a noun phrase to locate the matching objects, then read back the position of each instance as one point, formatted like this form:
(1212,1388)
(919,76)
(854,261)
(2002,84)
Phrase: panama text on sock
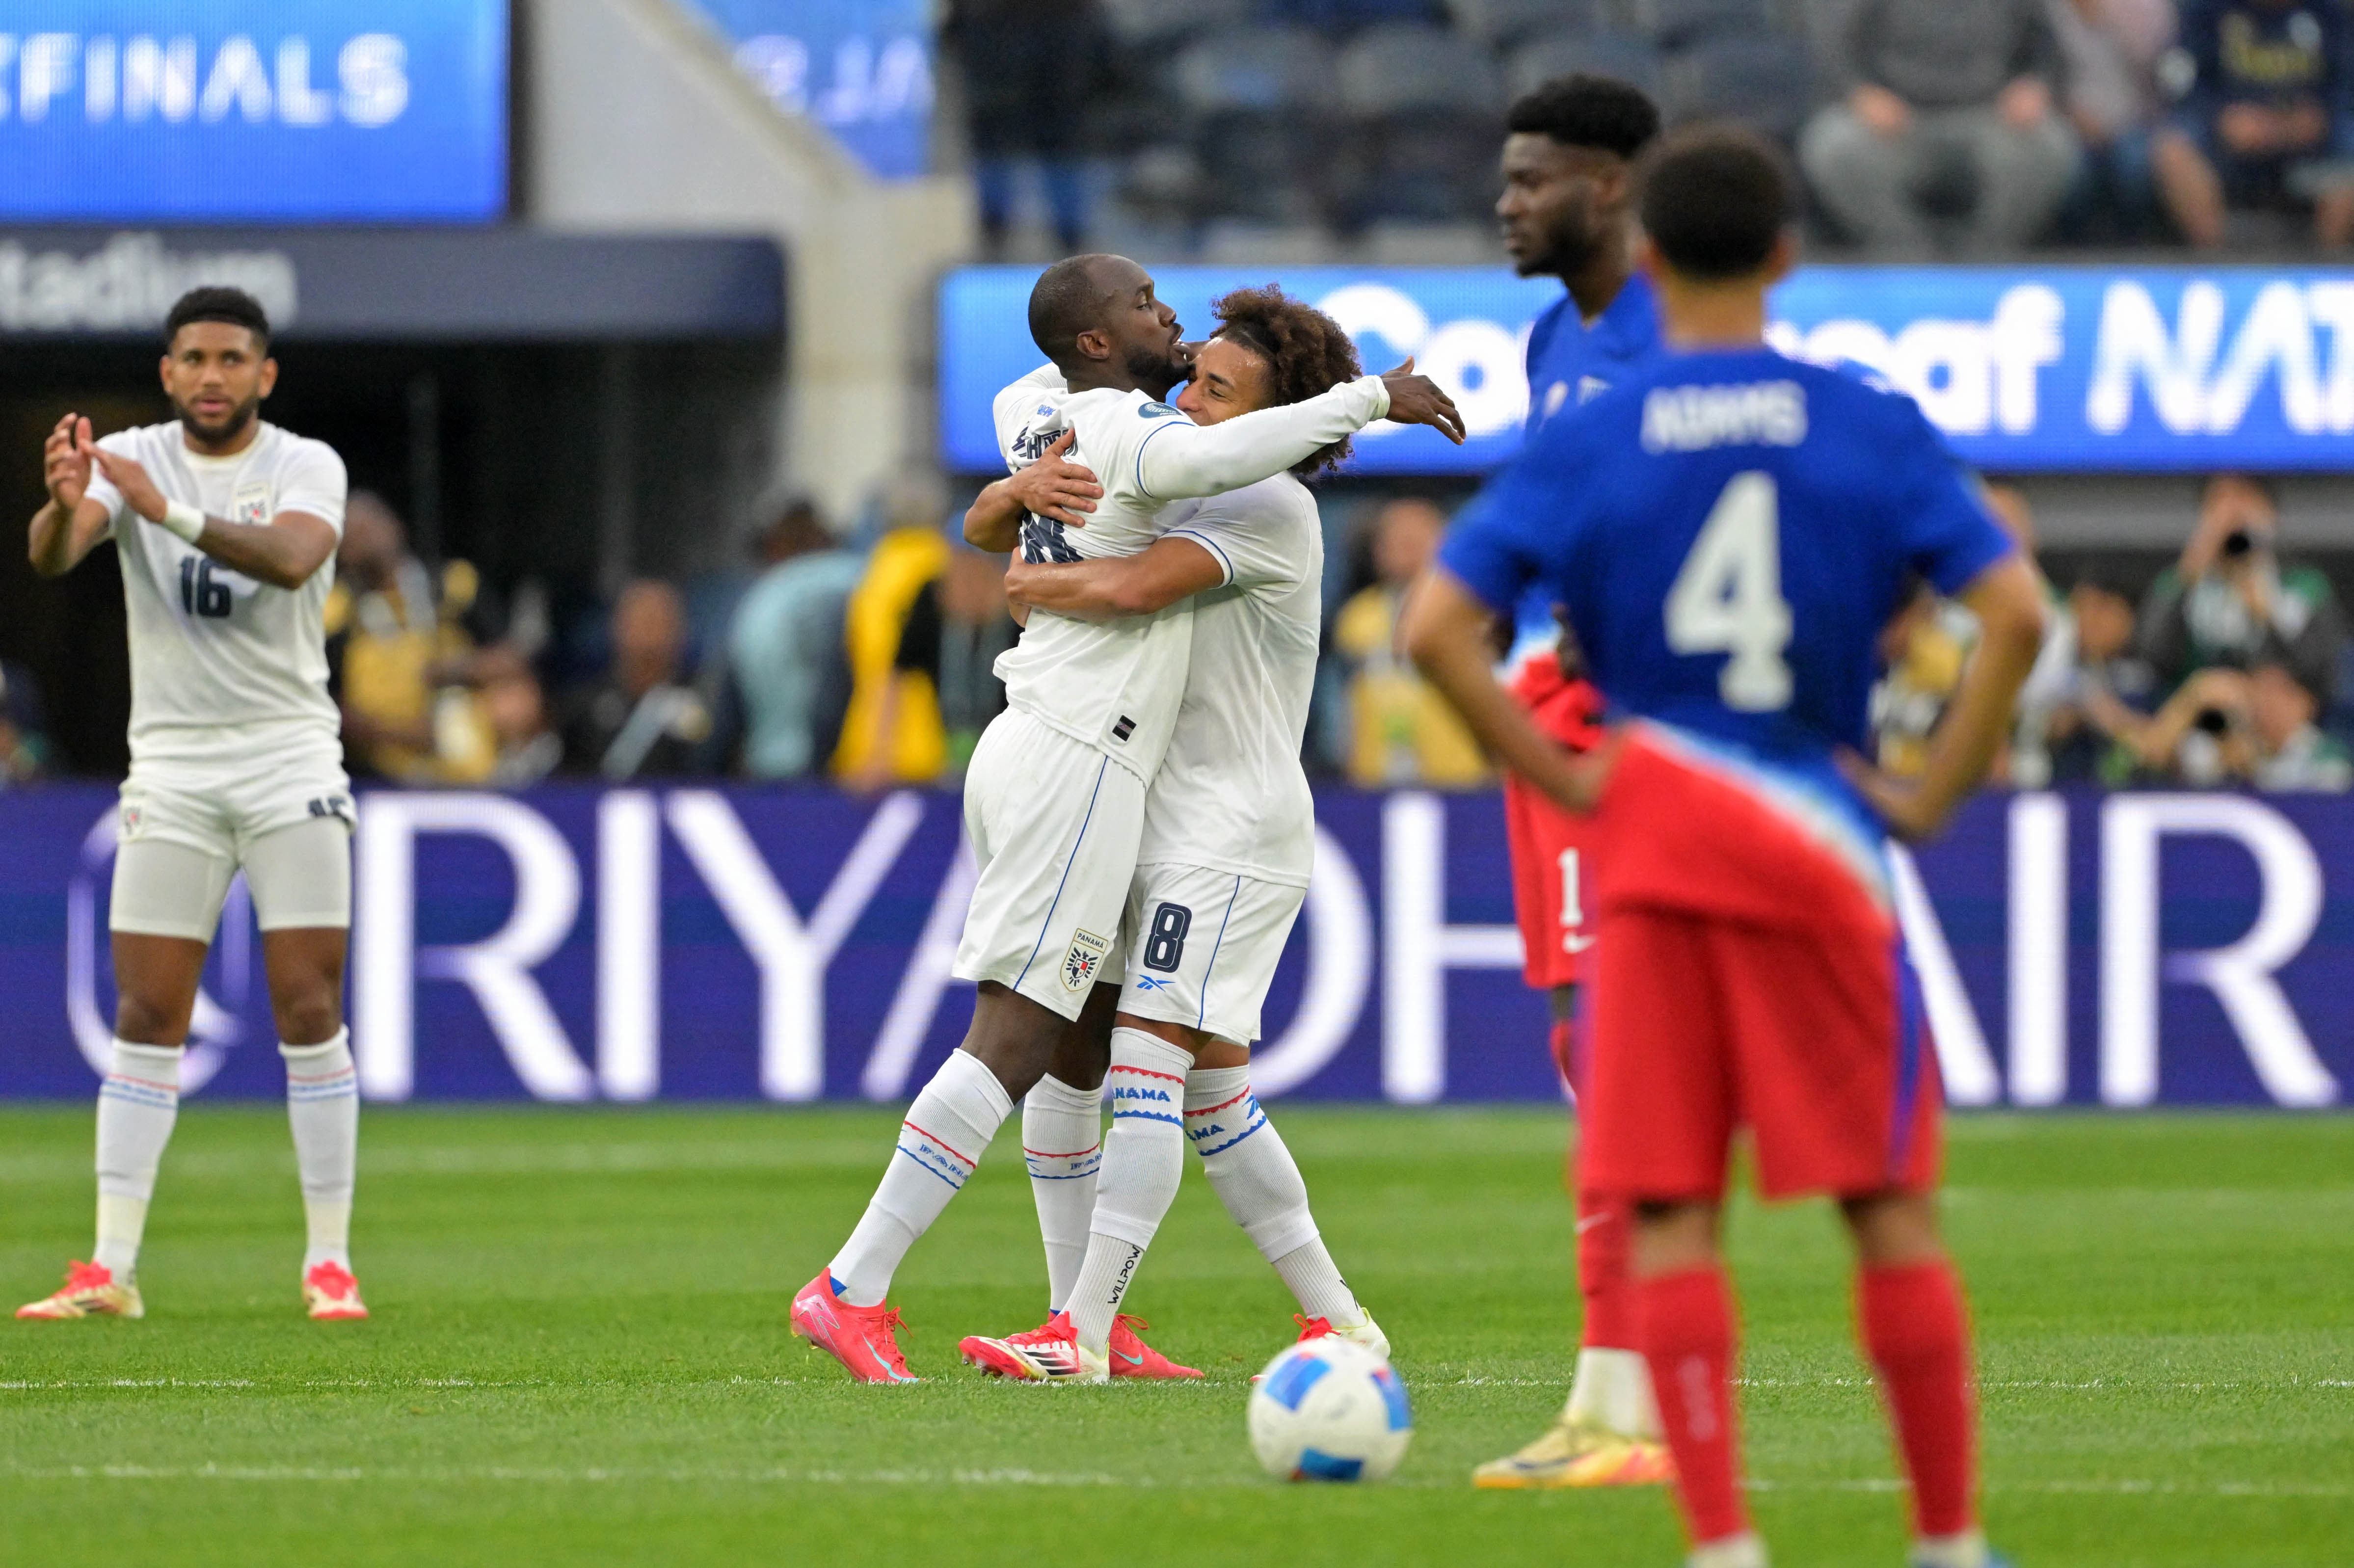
(1143,1161)
(940,1145)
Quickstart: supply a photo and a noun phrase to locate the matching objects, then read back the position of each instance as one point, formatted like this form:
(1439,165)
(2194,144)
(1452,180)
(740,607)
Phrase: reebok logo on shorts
(1083,960)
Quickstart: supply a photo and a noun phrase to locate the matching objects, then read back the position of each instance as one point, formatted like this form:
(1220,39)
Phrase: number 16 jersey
(224,669)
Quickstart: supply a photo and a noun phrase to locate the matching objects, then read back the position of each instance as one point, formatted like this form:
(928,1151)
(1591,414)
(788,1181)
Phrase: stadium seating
(1679,24)
(1500,24)
(1159,24)
(1760,79)
(1630,59)
(1379,119)
(1255,103)
(1420,112)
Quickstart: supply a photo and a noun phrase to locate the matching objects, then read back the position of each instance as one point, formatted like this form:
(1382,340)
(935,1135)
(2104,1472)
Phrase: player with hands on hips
(225,526)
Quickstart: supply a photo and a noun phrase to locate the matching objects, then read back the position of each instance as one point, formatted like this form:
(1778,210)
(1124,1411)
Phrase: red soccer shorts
(1551,848)
(1804,1027)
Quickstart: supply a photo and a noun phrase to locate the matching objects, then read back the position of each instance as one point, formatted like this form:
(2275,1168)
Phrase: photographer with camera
(2224,728)
(2233,603)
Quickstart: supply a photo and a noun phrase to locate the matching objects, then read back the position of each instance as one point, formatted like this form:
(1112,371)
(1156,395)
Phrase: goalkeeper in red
(1728,530)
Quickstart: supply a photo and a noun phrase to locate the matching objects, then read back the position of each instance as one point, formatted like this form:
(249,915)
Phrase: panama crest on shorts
(133,817)
(1083,960)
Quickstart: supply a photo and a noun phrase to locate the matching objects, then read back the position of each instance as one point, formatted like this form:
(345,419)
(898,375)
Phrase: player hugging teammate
(225,526)
(1101,924)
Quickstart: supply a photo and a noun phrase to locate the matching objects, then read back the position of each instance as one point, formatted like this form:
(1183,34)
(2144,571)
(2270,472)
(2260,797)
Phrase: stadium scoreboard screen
(278,111)
(2026,370)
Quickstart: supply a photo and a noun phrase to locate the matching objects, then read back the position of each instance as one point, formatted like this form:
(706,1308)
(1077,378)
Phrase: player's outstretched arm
(2008,603)
(69,526)
(1180,458)
(1447,636)
(1152,579)
(282,552)
(1052,487)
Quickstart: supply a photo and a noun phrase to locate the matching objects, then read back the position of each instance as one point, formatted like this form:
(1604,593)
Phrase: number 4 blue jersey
(1729,532)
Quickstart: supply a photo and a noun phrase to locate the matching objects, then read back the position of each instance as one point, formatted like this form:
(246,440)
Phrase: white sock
(1744,1550)
(1251,1169)
(1613,1389)
(322,1105)
(1967,1550)
(1143,1161)
(1062,1140)
(940,1145)
(137,1104)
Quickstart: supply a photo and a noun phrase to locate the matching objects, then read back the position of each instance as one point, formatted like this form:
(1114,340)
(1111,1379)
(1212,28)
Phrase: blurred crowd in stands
(1289,130)
(864,658)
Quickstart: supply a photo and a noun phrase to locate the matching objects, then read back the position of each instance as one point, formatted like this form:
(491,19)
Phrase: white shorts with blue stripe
(1203,945)
(1055,826)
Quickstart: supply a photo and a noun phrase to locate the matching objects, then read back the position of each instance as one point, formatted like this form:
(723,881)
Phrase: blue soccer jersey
(1728,532)
(1570,364)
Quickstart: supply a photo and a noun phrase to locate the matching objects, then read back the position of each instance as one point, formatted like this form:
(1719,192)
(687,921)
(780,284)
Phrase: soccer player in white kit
(227,527)
(1054,797)
(1229,842)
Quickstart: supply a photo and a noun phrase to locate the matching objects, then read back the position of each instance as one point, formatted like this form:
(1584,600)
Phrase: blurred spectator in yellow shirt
(892,731)
(1400,731)
(399,654)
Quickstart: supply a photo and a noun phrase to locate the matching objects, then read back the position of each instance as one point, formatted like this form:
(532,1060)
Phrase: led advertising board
(2027,369)
(253,110)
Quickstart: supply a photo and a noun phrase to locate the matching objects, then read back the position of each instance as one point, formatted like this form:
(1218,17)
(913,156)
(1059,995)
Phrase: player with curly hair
(1229,837)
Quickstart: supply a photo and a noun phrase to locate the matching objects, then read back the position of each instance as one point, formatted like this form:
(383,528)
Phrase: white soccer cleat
(1367,1333)
(1051,1353)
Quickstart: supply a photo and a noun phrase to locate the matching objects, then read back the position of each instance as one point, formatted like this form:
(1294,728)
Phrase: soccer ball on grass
(1329,1410)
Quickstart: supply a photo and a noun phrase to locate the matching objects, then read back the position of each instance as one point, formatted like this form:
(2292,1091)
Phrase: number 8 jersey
(1729,530)
(223,668)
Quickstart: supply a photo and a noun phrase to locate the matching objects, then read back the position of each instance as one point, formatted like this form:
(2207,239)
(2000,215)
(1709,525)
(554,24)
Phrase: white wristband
(182,519)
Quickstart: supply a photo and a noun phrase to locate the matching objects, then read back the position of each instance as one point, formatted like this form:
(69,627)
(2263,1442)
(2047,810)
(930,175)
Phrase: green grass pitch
(579,1354)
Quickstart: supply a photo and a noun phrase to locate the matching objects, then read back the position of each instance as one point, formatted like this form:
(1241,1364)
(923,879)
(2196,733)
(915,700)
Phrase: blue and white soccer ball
(1329,1410)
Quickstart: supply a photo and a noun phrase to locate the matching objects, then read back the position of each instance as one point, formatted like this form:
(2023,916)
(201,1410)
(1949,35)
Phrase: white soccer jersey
(222,665)
(1117,685)
(1231,795)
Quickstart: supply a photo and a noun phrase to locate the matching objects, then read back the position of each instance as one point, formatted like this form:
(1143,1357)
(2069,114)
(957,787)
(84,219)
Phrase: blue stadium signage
(282,111)
(861,68)
(2026,369)
(2116,951)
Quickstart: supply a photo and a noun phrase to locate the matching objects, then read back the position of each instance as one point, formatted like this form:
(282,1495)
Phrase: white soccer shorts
(1203,946)
(184,831)
(1055,826)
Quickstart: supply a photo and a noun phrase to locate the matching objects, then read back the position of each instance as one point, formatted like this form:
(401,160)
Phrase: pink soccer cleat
(864,1339)
(1048,1353)
(1132,1357)
(332,1294)
(91,1291)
